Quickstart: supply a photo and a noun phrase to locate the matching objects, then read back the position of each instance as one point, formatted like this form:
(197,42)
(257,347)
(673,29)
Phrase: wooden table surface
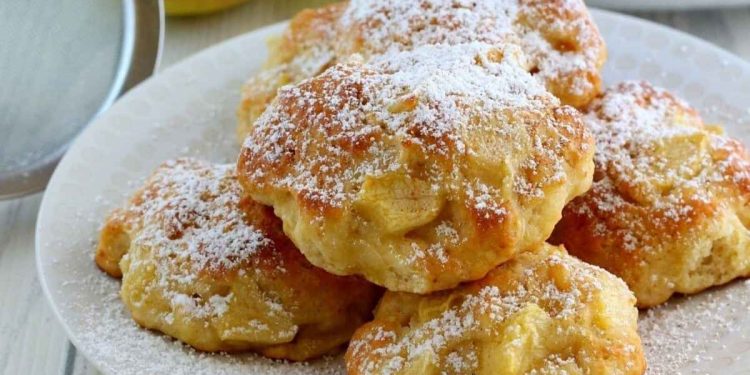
(31,339)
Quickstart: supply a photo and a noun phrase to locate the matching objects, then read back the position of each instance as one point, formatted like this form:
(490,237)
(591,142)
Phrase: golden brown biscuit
(215,270)
(420,170)
(304,50)
(544,312)
(668,211)
(563,45)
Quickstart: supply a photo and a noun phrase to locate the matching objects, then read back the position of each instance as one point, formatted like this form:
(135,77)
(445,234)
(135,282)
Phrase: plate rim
(45,206)
(75,143)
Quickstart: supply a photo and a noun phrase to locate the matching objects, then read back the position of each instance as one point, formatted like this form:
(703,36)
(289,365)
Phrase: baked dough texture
(214,270)
(304,50)
(544,312)
(668,211)
(420,169)
(564,48)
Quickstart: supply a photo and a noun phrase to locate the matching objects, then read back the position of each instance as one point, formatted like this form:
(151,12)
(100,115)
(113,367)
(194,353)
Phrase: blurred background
(31,340)
(192,25)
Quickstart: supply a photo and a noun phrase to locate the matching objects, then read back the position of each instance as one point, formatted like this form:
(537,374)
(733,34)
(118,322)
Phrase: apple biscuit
(564,48)
(205,265)
(544,312)
(421,169)
(668,210)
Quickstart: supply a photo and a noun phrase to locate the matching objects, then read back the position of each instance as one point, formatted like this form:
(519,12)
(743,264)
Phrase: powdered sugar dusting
(189,215)
(472,317)
(679,334)
(190,211)
(635,114)
(634,125)
(433,98)
(125,348)
(451,325)
(64,233)
(568,61)
(399,25)
(559,38)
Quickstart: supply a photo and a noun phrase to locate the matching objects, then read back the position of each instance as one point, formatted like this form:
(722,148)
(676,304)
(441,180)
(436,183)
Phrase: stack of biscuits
(438,187)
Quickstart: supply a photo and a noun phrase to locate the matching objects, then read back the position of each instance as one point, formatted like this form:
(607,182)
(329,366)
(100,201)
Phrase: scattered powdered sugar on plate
(188,211)
(118,343)
(674,336)
(679,333)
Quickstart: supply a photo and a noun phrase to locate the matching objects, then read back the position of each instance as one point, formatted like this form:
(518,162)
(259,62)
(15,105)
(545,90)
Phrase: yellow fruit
(194,7)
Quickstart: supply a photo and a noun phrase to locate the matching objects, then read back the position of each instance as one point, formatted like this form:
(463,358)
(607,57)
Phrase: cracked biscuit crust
(668,210)
(213,269)
(544,312)
(563,46)
(421,169)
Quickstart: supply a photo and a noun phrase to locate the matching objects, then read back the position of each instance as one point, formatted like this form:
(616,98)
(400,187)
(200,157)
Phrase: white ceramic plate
(189,110)
(666,4)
